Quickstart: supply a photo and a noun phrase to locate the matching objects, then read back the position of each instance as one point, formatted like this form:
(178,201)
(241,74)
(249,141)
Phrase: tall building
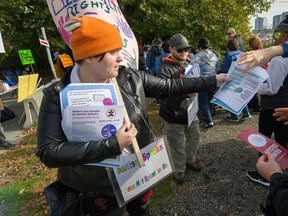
(261,23)
(278,19)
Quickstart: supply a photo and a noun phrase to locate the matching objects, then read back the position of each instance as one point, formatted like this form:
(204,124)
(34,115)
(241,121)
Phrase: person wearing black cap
(182,140)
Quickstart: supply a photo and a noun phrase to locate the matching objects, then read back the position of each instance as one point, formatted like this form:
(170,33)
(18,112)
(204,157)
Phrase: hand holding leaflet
(91,112)
(265,145)
(235,95)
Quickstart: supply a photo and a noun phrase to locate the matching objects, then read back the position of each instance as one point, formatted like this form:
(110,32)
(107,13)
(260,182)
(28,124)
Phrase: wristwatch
(285,48)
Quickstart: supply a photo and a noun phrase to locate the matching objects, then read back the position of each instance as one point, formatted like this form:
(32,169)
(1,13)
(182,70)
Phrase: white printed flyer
(92,123)
(235,95)
(91,112)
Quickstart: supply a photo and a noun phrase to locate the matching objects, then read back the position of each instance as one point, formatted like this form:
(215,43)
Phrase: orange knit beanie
(92,36)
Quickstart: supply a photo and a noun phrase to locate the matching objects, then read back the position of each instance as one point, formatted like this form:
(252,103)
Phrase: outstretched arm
(259,57)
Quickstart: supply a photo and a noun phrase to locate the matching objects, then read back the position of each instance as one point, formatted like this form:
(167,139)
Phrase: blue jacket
(229,57)
(151,59)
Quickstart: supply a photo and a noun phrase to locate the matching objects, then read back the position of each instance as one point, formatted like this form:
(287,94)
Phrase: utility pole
(49,53)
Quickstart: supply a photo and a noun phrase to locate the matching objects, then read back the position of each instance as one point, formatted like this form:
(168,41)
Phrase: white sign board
(107,10)
(133,180)
(2,49)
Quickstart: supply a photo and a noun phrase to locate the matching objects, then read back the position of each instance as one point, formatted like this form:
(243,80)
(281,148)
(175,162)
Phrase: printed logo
(257,140)
(111,113)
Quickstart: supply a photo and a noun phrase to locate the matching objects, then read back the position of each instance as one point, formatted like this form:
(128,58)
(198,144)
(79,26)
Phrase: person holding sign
(96,47)
(182,138)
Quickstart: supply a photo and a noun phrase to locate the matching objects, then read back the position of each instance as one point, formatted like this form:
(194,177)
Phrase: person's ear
(88,59)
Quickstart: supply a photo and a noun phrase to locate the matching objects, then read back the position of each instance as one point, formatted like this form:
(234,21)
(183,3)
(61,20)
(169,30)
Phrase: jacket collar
(123,76)
(64,81)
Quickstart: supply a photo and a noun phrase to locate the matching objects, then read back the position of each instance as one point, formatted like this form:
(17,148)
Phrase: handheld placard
(127,119)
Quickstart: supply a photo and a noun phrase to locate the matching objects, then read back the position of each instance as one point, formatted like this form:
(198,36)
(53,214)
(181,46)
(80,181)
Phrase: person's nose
(119,57)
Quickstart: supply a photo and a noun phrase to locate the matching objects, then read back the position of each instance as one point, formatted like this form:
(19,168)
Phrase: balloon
(107,10)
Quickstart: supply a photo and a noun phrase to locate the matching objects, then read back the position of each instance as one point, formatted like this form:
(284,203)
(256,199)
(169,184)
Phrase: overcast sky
(277,8)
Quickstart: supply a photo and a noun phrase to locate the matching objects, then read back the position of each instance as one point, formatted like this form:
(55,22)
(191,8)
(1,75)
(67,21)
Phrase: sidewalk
(12,130)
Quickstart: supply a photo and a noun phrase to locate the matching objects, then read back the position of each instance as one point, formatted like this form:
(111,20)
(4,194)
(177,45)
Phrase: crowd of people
(270,101)
(161,77)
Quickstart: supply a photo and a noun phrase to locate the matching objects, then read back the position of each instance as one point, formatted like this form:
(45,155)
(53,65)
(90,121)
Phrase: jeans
(204,103)
(183,142)
(245,112)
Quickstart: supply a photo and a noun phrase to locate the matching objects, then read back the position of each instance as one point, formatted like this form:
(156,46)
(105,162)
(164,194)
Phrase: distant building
(278,19)
(261,23)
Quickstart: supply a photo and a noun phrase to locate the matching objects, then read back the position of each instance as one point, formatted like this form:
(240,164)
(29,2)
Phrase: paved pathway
(12,130)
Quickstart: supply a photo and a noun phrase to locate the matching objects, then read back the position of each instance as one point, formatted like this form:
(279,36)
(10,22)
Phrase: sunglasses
(229,33)
(278,34)
(181,50)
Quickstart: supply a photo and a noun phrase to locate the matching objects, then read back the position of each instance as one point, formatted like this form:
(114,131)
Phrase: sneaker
(194,166)
(8,145)
(210,125)
(232,119)
(244,117)
(178,177)
(156,102)
(256,177)
(255,110)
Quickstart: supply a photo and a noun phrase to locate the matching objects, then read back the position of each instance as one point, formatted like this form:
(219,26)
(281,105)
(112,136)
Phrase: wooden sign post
(127,119)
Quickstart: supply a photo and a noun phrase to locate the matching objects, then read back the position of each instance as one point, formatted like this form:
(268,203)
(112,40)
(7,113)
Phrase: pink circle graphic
(107,101)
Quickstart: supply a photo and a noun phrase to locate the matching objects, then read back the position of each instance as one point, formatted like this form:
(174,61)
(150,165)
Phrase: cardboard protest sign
(26,86)
(132,180)
(26,57)
(2,49)
(108,11)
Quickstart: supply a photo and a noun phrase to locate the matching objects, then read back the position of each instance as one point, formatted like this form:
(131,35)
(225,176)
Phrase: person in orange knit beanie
(96,47)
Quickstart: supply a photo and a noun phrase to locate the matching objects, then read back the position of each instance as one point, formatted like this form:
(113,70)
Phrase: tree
(192,18)
(21,22)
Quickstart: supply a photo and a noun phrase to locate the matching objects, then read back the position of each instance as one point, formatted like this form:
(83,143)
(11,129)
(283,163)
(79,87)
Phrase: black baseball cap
(179,41)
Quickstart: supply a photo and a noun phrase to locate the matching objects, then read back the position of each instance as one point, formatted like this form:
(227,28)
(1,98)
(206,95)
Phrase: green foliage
(21,21)
(193,18)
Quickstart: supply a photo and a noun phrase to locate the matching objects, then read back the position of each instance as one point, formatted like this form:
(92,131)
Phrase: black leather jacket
(55,151)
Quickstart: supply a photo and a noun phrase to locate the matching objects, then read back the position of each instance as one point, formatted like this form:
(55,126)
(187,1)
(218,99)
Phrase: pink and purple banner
(107,10)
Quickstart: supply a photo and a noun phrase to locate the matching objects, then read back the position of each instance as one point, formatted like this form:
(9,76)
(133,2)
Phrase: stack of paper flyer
(90,112)
(192,70)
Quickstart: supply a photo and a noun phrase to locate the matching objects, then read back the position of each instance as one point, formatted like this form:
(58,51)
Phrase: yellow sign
(26,86)
(66,60)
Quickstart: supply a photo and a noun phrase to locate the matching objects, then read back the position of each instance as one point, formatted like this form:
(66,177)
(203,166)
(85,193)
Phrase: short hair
(255,43)
(233,44)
